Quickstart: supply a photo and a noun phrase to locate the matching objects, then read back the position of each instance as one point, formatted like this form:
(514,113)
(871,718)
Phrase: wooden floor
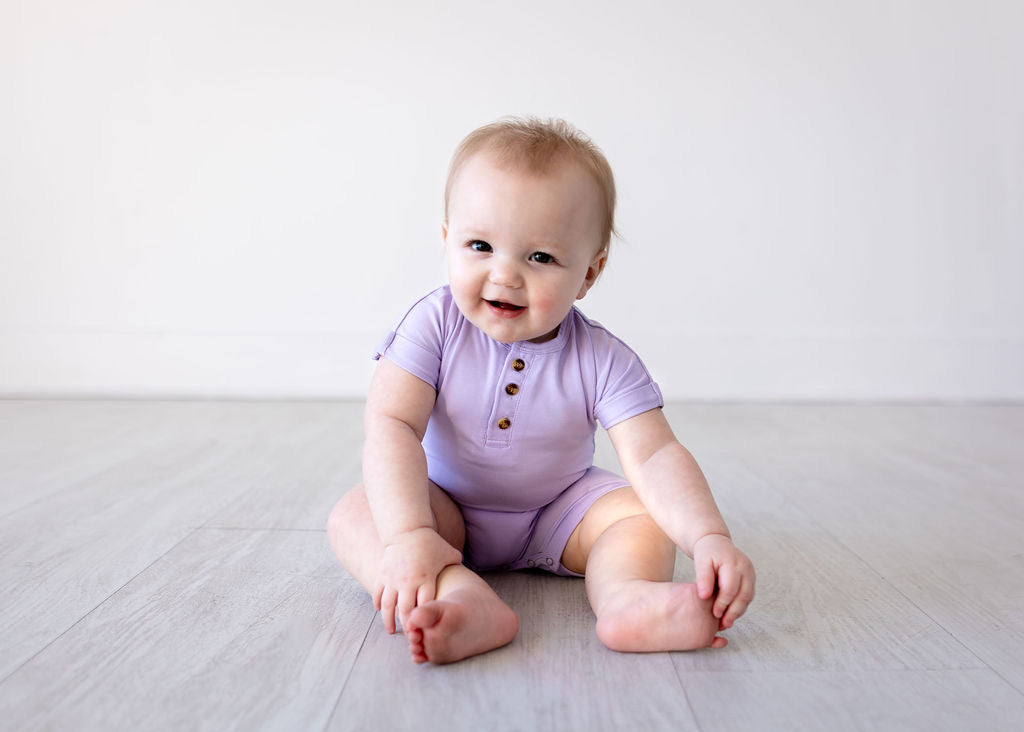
(164,565)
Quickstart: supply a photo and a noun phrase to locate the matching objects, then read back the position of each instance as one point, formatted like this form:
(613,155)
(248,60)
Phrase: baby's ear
(444,231)
(593,272)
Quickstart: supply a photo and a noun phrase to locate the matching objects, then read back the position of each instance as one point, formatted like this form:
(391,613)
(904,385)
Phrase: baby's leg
(465,619)
(628,562)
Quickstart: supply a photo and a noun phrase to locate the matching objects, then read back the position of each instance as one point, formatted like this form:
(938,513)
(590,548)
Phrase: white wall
(218,197)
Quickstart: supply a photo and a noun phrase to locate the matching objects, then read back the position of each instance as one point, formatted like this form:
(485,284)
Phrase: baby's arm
(672,487)
(395,473)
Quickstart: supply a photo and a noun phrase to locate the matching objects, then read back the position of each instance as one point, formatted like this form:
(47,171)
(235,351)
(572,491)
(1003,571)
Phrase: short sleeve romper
(511,434)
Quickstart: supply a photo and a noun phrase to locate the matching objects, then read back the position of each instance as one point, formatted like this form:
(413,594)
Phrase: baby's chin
(549,336)
(503,336)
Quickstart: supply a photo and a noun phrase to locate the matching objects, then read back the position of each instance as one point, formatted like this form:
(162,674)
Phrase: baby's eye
(542,258)
(480,246)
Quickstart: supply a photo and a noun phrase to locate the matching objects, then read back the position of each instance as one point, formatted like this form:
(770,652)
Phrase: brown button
(518,365)
(511,389)
(504,423)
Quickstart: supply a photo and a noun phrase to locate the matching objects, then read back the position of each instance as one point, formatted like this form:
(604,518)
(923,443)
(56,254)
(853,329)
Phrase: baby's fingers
(426,593)
(406,602)
(736,609)
(729,583)
(388,600)
(705,569)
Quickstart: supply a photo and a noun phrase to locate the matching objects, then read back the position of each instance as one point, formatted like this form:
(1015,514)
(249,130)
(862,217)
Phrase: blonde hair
(535,145)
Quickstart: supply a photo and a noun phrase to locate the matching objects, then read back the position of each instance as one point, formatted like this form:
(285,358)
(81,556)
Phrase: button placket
(512,389)
(507,404)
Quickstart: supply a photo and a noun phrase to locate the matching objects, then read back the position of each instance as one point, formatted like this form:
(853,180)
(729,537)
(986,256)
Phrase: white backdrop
(228,198)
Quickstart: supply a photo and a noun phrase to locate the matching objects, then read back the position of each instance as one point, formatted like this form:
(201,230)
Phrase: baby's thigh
(448,517)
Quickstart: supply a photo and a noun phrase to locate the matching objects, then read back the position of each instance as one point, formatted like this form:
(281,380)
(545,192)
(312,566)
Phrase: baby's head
(536,146)
(529,215)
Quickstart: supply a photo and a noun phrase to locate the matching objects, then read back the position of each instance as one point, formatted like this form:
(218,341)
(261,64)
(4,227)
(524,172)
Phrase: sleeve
(625,387)
(415,341)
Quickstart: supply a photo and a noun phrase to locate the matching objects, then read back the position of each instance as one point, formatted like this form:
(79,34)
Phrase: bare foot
(468,621)
(658,616)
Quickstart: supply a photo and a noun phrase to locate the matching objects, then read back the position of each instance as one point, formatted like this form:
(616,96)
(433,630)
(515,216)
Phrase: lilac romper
(511,435)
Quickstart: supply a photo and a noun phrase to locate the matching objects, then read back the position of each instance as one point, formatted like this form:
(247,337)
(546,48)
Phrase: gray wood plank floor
(164,565)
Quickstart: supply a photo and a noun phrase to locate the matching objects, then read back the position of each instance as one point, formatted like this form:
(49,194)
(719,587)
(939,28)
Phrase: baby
(480,428)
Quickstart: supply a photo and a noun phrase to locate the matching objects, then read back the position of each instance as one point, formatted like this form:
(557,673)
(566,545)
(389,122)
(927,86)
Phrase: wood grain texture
(730,701)
(47,447)
(164,565)
(84,540)
(323,449)
(230,629)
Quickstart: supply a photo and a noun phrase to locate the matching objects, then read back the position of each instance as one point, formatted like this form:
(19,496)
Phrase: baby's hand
(716,557)
(408,573)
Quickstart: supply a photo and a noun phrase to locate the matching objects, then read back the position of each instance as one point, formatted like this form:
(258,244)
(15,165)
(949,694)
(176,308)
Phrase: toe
(425,616)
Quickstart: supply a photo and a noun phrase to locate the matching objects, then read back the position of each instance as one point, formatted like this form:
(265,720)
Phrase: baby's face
(522,247)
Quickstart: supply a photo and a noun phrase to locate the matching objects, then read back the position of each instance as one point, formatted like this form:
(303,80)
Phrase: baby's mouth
(504,305)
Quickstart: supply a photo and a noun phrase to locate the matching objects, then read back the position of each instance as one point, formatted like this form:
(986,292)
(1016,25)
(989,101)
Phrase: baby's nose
(505,274)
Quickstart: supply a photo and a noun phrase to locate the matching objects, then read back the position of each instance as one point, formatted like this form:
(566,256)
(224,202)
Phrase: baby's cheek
(559,297)
(551,305)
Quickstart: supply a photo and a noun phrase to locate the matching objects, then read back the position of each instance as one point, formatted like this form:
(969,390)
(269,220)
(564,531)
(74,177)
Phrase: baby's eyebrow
(547,246)
(475,232)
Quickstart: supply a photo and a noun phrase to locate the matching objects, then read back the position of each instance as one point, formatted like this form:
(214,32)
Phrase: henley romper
(511,434)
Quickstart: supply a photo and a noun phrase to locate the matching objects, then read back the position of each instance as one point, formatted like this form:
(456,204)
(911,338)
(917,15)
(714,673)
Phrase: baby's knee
(352,510)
